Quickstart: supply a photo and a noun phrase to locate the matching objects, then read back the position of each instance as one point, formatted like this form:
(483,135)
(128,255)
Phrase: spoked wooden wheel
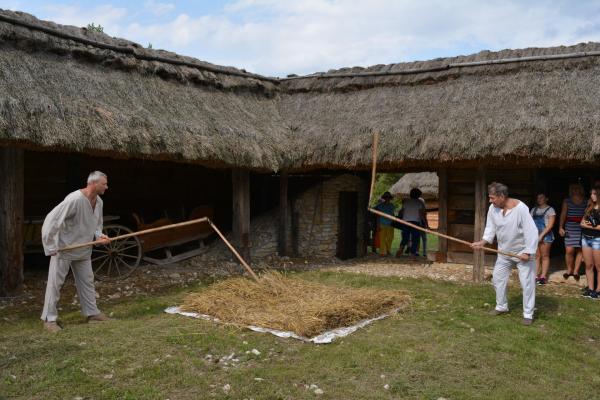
(117,259)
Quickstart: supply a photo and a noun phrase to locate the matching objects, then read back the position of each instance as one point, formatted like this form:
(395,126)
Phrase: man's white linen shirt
(515,231)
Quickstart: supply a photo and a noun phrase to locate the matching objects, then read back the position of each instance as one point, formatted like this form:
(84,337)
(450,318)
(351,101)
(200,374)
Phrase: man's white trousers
(500,278)
(84,281)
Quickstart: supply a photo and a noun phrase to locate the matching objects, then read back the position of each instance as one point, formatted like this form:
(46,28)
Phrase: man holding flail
(509,221)
(76,220)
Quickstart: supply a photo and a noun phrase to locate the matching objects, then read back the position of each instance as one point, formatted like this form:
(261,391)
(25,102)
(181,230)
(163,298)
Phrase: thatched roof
(427,182)
(70,89)
(60,93)
(521,112)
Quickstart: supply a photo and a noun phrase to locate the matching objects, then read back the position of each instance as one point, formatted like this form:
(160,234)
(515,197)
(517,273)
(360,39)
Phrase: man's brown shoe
(98,318)
(527,321)
(52,326)
(496,312)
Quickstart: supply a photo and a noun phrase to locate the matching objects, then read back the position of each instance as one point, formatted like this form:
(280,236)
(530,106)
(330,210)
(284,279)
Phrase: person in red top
(572,211)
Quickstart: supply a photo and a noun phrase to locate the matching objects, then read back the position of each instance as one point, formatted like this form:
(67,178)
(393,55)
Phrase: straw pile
(291,304)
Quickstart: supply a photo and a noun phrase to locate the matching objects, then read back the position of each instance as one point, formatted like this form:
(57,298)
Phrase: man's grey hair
(498,189)
(95,176)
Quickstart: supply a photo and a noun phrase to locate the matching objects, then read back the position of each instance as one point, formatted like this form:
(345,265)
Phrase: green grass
(443,345)
(432,242)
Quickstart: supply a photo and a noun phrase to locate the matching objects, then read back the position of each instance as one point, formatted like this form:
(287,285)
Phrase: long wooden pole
(374,158)
(138,233)
(392,218)
(233,250)
(417,227)
(165,227)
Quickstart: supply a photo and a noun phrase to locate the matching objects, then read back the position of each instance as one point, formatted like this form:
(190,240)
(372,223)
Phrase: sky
(281,37)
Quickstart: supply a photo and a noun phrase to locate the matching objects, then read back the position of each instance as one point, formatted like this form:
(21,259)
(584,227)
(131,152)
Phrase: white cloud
(11,5)
(157,8)
(277,37)
(108,16)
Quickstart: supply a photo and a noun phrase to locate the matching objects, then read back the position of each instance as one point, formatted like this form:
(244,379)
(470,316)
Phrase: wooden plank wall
(149,188)
(461,202)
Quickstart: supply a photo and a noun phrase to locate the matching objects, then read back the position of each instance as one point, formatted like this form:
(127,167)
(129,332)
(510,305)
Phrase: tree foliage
(95,28)
(383,183)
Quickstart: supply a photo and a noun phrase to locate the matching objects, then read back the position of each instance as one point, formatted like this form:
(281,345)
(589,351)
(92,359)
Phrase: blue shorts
(549,238)
(588,241)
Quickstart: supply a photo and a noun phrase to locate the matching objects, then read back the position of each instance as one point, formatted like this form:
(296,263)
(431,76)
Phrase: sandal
(566,276)
(576,277)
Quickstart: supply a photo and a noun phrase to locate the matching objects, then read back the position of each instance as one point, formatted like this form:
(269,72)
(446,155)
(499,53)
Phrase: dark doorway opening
(347,221)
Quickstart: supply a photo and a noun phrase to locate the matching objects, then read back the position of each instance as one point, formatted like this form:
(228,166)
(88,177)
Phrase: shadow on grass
(544,304)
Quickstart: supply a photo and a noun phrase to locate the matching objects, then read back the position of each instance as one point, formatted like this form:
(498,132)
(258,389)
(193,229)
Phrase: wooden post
(480,215)
(241,211)
(295,229)
(11,220)
(442,255)
(283,214)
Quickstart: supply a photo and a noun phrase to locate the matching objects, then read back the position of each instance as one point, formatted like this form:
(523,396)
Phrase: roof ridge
(445,67)
(131,51)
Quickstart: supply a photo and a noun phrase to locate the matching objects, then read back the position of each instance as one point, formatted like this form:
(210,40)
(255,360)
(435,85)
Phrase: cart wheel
(117,259)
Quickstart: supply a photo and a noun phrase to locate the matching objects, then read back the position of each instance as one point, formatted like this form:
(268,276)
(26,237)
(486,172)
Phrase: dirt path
(421,268)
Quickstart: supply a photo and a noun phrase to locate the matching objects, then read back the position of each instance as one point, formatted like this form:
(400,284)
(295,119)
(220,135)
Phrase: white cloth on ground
(84,281)
(501,276)
(72,222)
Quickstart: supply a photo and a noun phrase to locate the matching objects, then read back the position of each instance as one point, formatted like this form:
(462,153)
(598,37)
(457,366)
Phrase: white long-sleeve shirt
(72,222)
(516,232)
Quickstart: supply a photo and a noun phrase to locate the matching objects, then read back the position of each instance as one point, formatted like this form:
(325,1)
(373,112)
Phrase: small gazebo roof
(427,182)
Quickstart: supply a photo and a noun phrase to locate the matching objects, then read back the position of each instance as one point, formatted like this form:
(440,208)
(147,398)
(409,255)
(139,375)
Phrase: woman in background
(544,217)
(571,214)
(590,242)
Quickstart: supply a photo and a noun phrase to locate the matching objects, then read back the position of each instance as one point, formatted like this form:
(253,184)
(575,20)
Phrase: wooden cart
(120,258)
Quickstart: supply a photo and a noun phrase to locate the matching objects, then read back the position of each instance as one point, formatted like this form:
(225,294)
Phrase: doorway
(347,229)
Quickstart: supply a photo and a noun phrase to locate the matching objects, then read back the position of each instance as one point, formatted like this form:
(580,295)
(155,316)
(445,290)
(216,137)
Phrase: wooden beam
(11,220)
(480,214)
(283,214)
(241,211)
(442,255)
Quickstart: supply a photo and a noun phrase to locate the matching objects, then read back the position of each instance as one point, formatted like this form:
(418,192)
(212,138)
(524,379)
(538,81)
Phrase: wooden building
(528,118)
(172,132)
(72,98)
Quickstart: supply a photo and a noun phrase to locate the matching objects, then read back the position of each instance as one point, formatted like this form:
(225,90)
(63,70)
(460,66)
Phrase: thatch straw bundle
(291,304)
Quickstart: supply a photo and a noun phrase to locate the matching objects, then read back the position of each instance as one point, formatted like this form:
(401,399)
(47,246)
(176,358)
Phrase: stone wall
(317,209)
(317,214)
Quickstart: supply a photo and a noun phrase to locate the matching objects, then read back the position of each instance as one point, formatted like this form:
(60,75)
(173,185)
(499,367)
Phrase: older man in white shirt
(510,222)
(76,220)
